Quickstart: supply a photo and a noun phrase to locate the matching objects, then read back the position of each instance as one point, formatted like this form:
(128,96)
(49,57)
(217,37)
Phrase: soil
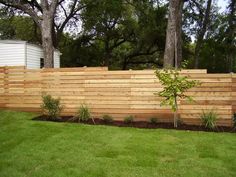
(139,124)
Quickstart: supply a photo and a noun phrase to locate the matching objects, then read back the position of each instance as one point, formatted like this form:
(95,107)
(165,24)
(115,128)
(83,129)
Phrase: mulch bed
(139,124)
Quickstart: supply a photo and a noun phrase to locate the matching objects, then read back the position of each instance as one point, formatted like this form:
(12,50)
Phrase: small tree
(174,87)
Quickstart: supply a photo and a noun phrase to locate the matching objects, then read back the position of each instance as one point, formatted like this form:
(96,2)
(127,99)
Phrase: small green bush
(51,106)
(107,118)
(129,119)
(83,113)
(153,120)
(209,119)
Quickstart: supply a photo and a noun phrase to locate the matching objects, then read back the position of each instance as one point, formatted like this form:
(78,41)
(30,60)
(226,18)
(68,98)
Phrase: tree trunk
(124,67)
(170,36)
(230,36)
(107,53)
(173,34)
(107,58)
(48,49)
(179,34)
(44,22)
(201,34)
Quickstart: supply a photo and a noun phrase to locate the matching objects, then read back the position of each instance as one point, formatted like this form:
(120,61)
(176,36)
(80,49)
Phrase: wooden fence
(117,93)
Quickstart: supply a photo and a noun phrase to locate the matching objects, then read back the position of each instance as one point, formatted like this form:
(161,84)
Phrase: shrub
(83,113)
(129,119)
(153,120)
(107,118)
(209,119)
(51,106)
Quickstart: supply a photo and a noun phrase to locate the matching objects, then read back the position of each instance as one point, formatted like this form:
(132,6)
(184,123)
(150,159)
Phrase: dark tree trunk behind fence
(173,47)
(231,35)
(201,33)
(48,49)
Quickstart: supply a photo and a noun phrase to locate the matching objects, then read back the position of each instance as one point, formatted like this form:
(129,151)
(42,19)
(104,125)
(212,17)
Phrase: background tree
(126,34)
(230,39)
(218,45)
(104,21)
(173,47)
(202,30)
(147,44)
(129,33)
(19,27)
(44,14)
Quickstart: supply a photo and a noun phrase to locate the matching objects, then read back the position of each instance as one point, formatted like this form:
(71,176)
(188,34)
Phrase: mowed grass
(48,149)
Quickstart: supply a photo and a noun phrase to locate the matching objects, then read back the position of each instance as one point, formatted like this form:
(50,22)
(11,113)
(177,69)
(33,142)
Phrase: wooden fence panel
(118,93)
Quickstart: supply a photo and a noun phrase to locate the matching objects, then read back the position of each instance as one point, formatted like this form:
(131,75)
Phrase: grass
(48,149)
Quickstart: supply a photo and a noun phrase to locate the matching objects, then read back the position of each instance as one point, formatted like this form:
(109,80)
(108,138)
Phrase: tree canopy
(124,34)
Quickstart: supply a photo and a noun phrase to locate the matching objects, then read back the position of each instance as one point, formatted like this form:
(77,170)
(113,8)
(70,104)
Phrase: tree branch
(53,6)
(25,8)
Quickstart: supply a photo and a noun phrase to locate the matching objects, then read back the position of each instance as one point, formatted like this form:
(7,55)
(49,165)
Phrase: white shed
(21,53)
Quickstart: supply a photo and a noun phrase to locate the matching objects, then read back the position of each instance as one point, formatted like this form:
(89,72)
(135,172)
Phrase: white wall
(12,54)
(23,54)
(34,53)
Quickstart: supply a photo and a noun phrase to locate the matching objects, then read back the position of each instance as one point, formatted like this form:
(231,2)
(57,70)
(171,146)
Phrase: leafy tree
(19,27)
(126,32)
(80,52)
(107,21)
(46,17)
(44,21)
(175,87)
(202,30)
(6,29)
(230,39)
(218,50)
(146,46)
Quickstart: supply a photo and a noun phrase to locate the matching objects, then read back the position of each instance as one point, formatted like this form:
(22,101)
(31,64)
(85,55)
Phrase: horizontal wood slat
(118,93)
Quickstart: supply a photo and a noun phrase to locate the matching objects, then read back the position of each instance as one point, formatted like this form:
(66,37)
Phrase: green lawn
(47,149)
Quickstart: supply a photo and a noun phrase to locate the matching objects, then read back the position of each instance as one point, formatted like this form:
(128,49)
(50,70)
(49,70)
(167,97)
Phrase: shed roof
(13,41)
(22,42)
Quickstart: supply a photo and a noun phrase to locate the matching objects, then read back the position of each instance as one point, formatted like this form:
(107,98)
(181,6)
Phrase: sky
(222,4)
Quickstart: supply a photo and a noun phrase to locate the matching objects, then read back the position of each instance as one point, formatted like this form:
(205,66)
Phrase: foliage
(21,28)
(218,44)
(209,119)
(51,106)
(107,118)
(124,32)
(130,34)
(83,113)
(129,119)
(175,87)
(153,120)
